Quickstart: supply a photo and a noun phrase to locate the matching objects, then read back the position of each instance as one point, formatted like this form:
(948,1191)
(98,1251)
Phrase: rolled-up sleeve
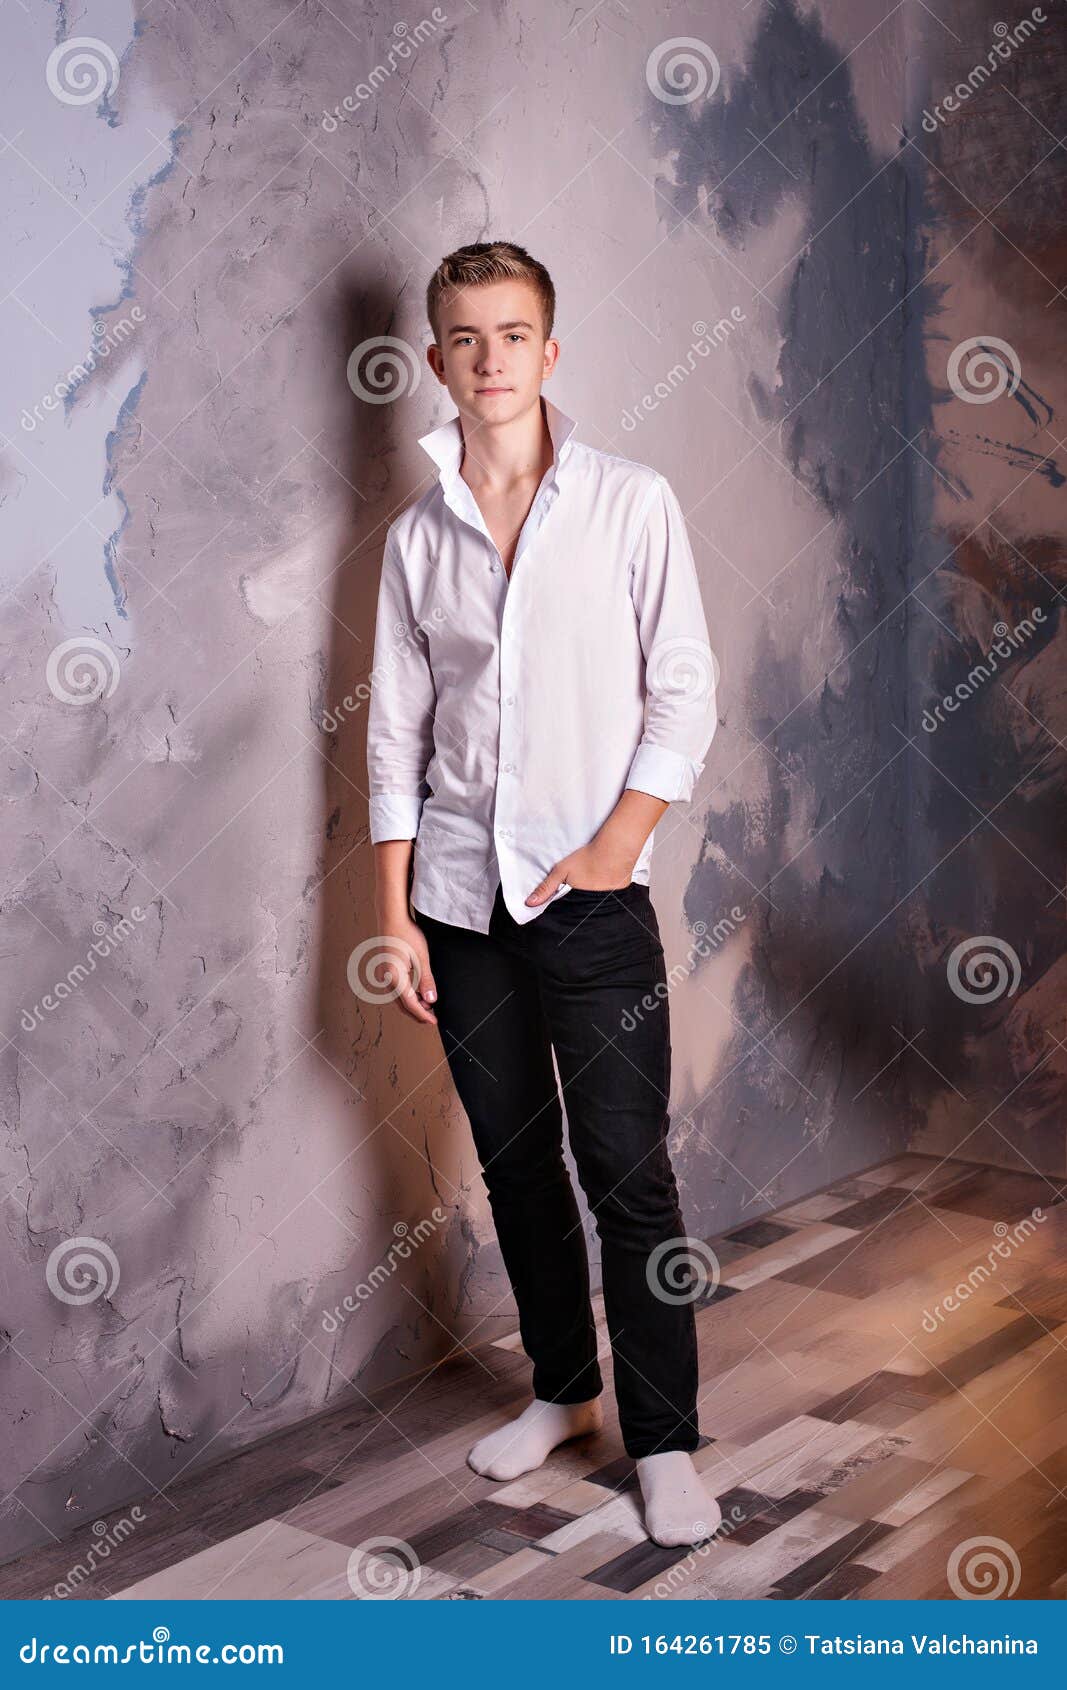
(680,670)
(403,699)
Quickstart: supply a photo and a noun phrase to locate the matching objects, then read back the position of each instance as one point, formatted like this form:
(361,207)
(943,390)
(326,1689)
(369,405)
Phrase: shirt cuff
(665,774)
(394,815)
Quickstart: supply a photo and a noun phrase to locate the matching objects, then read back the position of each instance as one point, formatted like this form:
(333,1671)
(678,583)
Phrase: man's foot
(524,1442)
(677,1507)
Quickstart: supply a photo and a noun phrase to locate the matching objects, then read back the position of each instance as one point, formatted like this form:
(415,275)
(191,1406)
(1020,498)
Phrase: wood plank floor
(883,1379)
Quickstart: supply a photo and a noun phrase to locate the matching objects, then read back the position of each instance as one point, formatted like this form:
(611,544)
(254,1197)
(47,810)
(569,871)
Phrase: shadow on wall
(410,1141)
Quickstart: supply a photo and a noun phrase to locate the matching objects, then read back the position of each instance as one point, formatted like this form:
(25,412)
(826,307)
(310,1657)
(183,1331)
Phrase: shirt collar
(445,444)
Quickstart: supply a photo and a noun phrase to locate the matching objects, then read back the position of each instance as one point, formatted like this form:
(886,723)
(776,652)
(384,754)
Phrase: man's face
(492,352)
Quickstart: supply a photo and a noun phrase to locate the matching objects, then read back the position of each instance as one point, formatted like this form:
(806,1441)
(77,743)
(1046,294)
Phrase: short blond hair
(488,261)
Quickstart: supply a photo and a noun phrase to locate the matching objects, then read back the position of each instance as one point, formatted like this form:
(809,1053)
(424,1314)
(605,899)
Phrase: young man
(542,690)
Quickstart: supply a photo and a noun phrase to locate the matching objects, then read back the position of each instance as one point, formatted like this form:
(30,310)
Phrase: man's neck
(498,457)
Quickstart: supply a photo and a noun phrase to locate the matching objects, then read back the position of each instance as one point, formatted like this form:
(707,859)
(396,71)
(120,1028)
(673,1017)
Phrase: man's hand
(606,864)
(597,867)
(404,965)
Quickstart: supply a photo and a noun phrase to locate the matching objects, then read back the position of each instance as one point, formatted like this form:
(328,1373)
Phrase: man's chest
(568,561)
(504,515)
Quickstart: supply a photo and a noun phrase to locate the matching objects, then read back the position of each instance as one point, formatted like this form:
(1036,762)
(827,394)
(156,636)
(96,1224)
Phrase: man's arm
(621,839)
(400,744)
(680,717)
(680,670)
(403,700)
(392,879)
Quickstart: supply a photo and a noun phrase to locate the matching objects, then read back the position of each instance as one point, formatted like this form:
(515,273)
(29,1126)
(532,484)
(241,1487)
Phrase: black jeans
(587,979)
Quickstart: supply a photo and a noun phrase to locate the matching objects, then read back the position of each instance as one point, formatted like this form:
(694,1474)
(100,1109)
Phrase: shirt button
(505,833)
(509,768)
(510,698)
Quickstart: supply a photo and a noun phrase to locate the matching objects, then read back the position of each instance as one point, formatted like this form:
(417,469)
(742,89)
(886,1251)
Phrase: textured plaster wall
(240,1136)
(989,806)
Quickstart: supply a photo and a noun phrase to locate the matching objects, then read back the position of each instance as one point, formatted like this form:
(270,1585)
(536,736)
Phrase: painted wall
(213,1134)
(986,646)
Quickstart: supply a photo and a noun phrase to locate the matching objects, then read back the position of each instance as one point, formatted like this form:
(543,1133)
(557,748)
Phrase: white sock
(678,1509)
(524,1442)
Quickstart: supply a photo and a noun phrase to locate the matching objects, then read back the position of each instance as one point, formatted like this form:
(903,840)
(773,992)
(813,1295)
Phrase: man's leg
(603,985)
(493,1030)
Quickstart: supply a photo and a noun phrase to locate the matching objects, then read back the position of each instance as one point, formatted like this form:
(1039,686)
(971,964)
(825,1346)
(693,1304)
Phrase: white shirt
(507,716)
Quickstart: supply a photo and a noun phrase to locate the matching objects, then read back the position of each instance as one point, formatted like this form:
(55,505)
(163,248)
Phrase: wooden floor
(855,1438)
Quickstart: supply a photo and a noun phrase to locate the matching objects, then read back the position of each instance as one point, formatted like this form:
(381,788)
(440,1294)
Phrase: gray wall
(243,1138)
